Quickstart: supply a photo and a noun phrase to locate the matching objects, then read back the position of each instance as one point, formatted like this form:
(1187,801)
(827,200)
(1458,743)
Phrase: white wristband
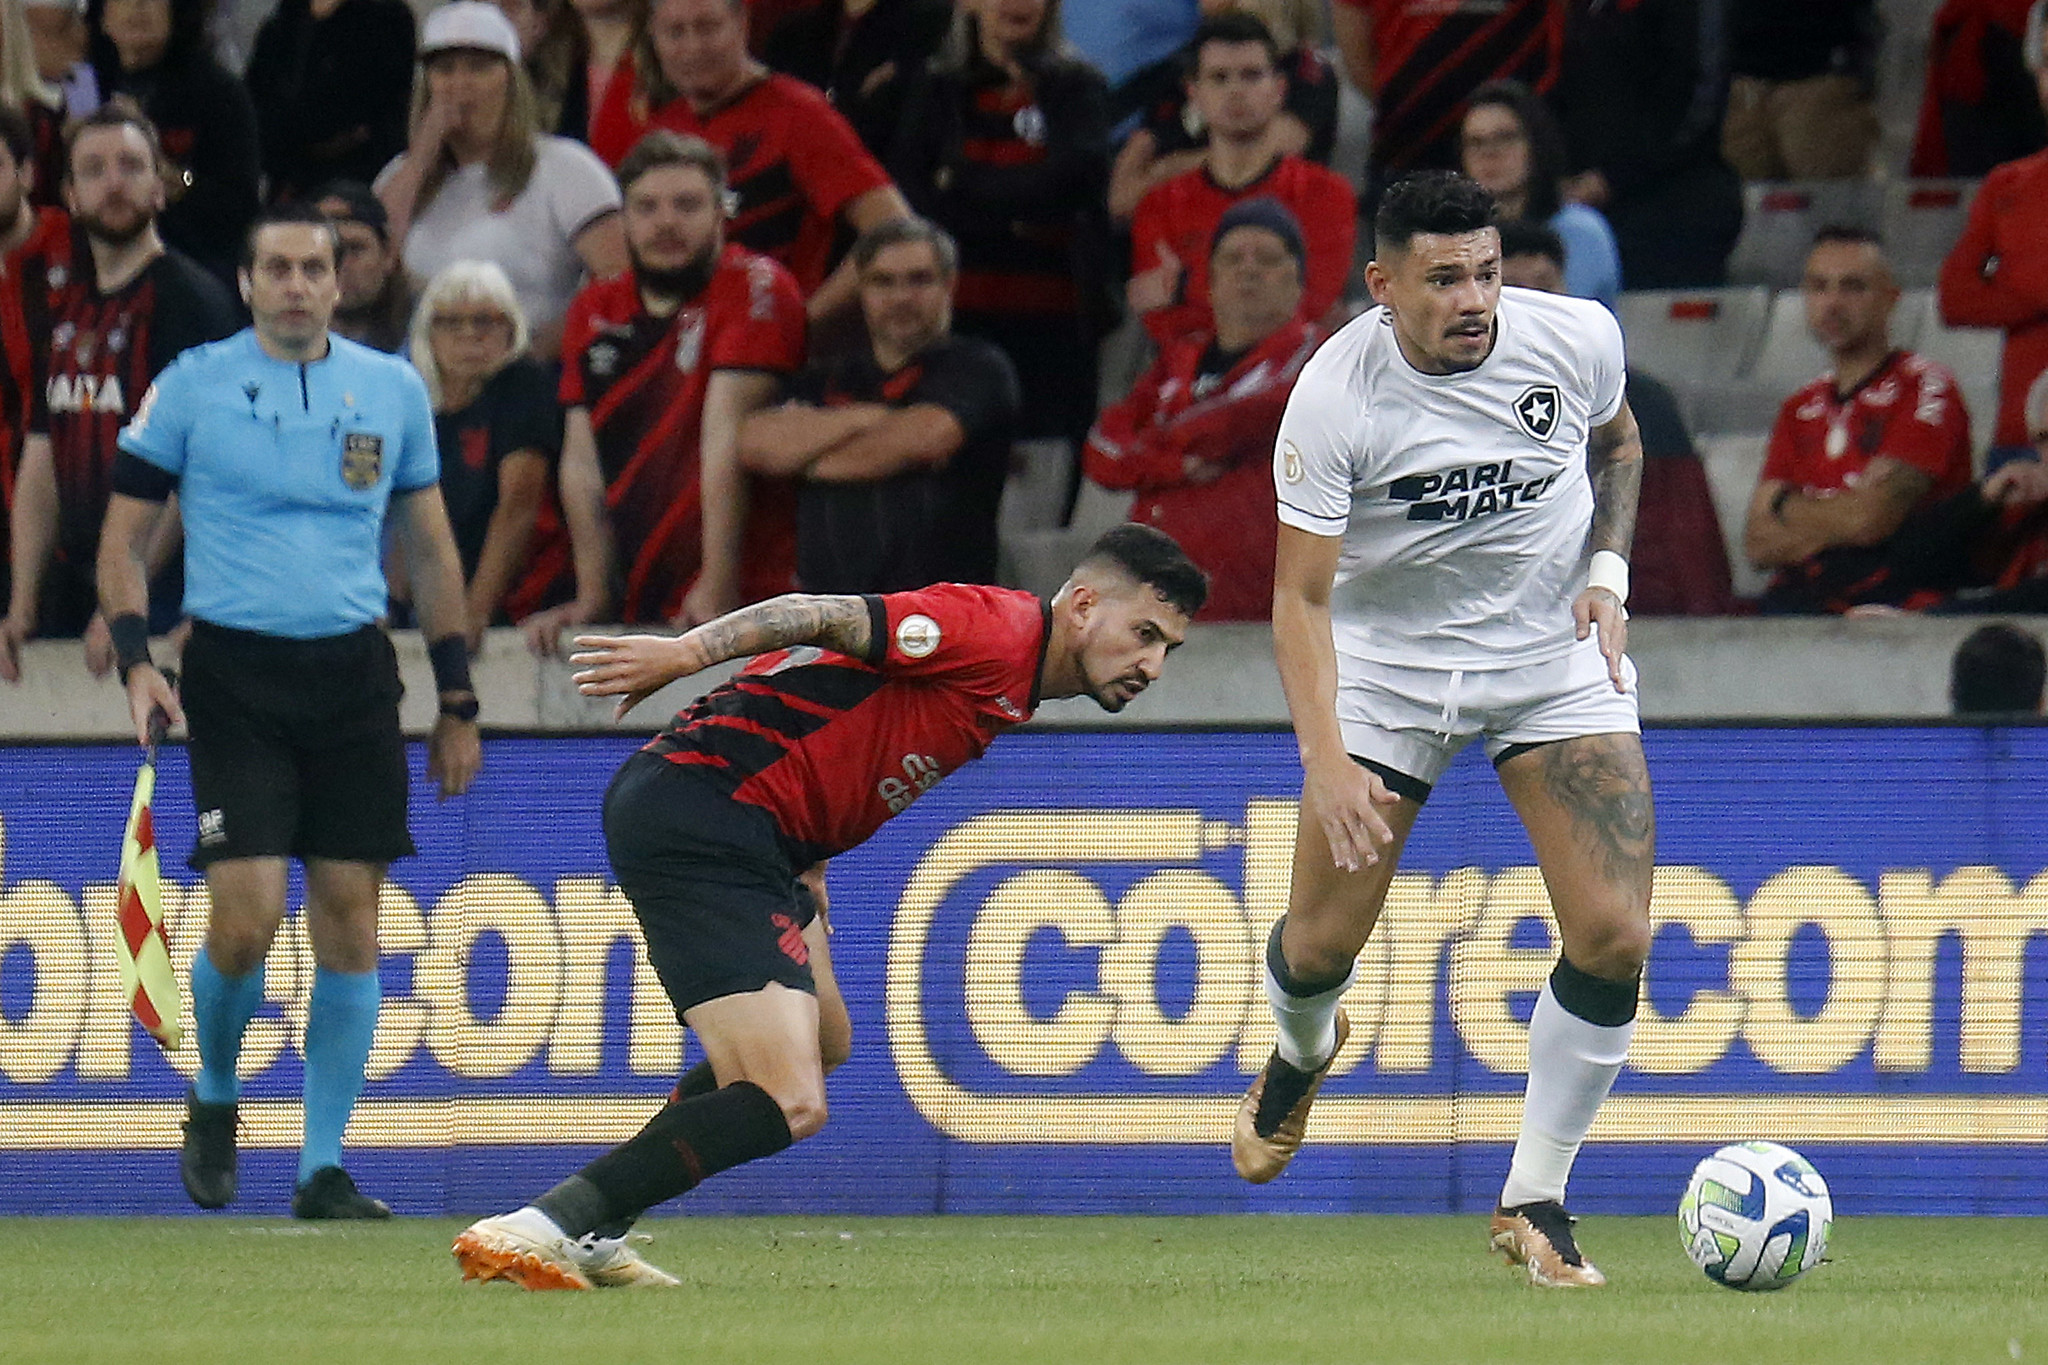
(1610,571)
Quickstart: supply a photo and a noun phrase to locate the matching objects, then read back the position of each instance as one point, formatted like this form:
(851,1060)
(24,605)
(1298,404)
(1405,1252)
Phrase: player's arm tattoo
(1600,781)
(840,624)
(1614,461)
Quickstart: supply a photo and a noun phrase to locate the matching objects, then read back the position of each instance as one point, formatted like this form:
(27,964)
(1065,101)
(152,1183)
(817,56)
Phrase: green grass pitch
(988,1291)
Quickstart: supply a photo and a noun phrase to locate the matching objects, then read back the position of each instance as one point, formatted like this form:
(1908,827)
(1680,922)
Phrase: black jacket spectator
(1641,95)
(1017,171)
(207,127)
(331,94)
(922,526)
(865,63)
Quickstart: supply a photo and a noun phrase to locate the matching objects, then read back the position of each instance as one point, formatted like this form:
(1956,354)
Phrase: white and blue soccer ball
(1755,1216)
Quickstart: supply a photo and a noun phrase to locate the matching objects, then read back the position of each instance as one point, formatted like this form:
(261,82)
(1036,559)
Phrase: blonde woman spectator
(497,425)
(480,181)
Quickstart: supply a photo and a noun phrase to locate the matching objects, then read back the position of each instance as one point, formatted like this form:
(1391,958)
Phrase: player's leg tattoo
(1602,785)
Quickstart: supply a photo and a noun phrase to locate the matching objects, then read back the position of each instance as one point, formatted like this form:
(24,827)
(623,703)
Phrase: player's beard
(683,282)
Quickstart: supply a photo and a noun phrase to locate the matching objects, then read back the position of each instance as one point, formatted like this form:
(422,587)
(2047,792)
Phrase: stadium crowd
(717,299)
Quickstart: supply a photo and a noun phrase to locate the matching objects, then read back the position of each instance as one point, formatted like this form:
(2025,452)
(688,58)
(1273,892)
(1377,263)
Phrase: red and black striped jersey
(792,161)
(1430,55)
(832,746)
(104,349)
(643,379)
(28,277)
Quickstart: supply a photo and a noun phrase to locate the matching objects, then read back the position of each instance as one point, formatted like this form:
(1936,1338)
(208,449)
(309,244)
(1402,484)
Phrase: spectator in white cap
(479,180)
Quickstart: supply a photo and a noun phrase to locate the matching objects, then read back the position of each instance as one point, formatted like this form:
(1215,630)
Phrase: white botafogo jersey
(1462,499)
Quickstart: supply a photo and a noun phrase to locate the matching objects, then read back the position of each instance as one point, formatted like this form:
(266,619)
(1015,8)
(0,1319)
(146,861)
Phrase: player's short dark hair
(300,214)
(1231,26)
(118,112)
(1848,234)
(666,147)
(17,136)
(1526,237)
(1441,203)
(896,231)
(1156,560)
(1999,668)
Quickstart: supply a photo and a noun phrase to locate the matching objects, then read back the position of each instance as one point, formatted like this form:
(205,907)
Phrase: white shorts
(1413,721)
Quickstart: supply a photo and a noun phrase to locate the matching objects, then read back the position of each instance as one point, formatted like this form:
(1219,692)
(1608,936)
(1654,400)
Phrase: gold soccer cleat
(1538,1237)
(1274,1113)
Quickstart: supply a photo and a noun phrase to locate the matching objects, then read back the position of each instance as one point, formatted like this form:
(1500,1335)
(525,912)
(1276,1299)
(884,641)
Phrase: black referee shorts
(295,746)
(716,897)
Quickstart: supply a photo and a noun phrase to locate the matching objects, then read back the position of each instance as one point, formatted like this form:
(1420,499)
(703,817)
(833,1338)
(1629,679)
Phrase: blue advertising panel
(1052,960)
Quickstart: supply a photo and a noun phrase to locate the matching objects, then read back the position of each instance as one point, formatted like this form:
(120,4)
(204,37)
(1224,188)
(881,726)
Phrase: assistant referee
(286,446)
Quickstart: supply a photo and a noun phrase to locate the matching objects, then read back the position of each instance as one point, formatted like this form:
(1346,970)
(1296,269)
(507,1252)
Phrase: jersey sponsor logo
(1474,491)
(86,393)
(920,773)
(362,459)
(917,636)
(1537,410)
(690,340)
(1291,468)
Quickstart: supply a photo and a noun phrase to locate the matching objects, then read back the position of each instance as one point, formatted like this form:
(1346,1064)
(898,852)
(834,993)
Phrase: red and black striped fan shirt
(832,746)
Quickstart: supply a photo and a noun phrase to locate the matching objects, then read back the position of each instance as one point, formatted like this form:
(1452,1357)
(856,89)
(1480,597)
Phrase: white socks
(1307,1024)
(1572,1065)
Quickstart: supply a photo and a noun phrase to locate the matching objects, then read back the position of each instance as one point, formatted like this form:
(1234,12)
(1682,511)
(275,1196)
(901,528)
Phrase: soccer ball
(1755,1216)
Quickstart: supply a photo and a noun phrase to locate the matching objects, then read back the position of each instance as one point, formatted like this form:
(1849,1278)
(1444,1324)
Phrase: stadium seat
(1973,353)
(1707,334)
(1922,219)
(1780,218)
(1038,559)
(1787,359)
(1733,463)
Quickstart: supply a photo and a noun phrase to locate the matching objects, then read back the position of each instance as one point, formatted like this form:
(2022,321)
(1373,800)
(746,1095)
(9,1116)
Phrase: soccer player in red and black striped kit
(851,708)
(124,309)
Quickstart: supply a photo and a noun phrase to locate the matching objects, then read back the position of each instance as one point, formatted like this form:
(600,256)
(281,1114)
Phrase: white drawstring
(1449,721)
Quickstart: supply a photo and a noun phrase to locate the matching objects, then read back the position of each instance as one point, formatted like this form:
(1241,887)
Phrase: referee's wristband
(450,657)
(130,633)
(1610,571)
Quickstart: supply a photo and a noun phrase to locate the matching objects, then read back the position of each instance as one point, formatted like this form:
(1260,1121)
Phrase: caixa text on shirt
(1474,491)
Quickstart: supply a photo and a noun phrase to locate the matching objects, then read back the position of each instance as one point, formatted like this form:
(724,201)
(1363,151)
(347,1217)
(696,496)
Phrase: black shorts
(716,896)
(296,751)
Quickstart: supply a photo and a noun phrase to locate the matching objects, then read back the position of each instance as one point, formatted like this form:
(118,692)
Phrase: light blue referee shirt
(284,474)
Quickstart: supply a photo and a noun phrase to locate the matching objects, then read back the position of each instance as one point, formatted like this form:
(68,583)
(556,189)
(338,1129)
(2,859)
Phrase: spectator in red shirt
(1997,274)
(1194,437)
(1859,450)
(851,709)
(1237,88)
(1978,109)
(35,256)
(660,366)
(798,170)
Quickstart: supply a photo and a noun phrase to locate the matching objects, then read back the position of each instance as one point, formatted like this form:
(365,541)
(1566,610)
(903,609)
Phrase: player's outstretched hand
(455,751)
(631,667)
(1599,608)
(148,691)
(1347,801)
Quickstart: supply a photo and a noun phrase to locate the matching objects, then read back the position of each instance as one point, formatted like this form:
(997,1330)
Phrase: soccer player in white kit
(1457,476)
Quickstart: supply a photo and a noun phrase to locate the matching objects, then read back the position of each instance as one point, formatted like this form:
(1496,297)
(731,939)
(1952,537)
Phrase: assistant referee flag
(146,973)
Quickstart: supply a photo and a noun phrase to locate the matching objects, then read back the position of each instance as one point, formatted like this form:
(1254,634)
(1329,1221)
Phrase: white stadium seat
(1732,464)
(1922,219)
(1780,218)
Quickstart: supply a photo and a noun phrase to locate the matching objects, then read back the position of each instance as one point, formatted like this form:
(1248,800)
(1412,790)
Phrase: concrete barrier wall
(1692,670)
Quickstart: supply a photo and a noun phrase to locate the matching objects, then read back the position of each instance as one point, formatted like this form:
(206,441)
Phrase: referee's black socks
(680,1148)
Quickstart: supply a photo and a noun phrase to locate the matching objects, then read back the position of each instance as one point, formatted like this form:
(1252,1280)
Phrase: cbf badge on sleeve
(362,459)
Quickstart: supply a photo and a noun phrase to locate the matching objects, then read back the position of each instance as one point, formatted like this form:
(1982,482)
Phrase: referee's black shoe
(206,1158)
(330,1193)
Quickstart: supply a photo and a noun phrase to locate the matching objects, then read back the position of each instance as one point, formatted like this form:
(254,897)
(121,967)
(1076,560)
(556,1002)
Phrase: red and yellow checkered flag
(147,977)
